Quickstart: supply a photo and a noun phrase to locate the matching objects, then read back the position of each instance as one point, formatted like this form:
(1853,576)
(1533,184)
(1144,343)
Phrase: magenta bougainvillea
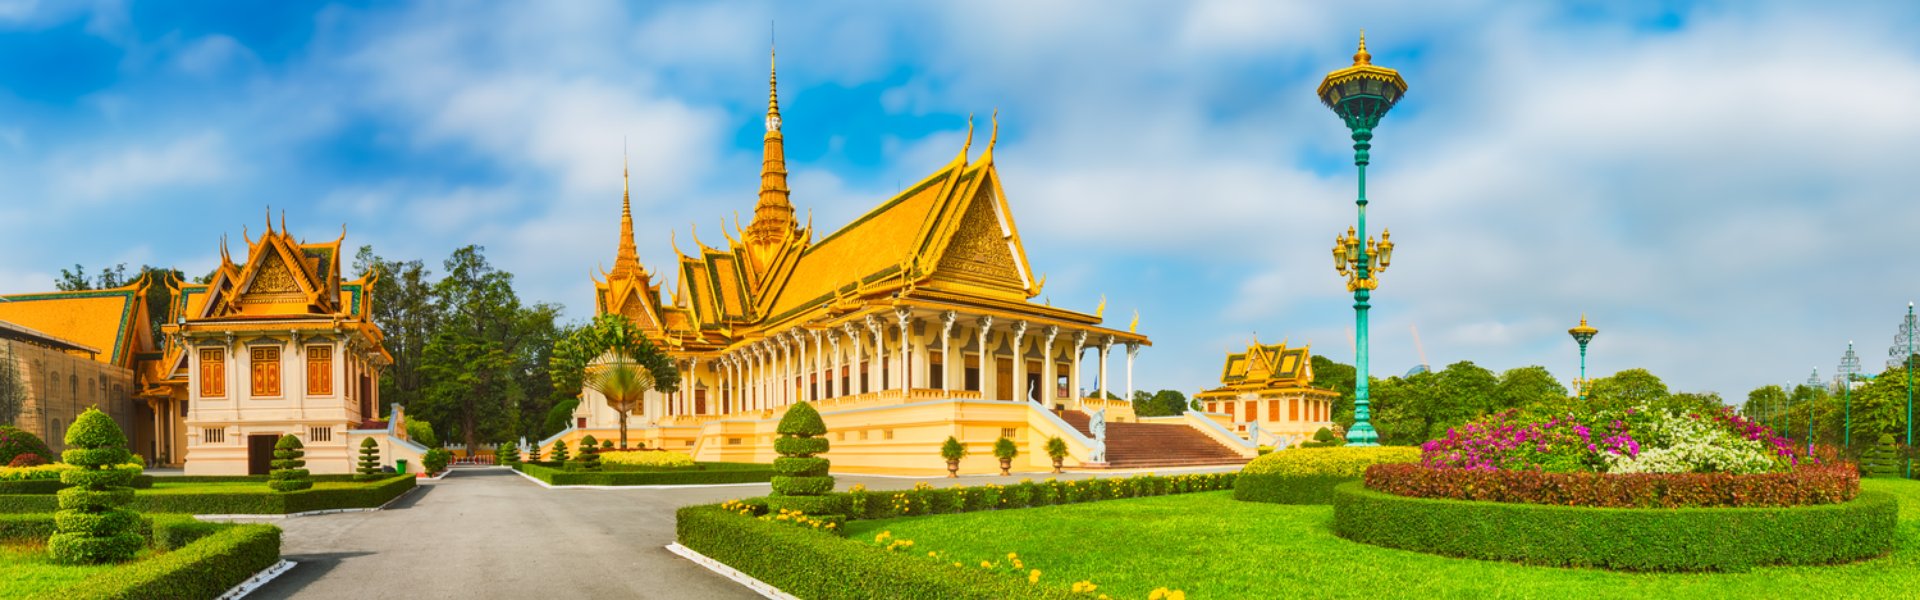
(1633,440)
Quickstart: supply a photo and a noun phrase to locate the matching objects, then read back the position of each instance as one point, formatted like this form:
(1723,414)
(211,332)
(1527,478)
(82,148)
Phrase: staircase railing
(1242,446)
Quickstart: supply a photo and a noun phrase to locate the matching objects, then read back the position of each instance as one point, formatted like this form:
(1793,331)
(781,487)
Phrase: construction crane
(1423,366)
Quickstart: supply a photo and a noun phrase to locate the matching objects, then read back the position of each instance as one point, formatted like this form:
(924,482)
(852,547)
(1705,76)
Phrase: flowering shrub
(1341,461)
(1634,440)
(27,459)
(1824,484)
(15,442)
(644,458)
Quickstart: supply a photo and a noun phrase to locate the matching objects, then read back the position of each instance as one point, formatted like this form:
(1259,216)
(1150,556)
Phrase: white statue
(1098,425)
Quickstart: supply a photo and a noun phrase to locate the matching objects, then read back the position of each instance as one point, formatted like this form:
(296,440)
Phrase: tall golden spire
(626,264)
(773,214)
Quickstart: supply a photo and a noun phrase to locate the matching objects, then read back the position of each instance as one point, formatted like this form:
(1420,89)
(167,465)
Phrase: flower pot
(953,468)
(1005,463)
(1056,464)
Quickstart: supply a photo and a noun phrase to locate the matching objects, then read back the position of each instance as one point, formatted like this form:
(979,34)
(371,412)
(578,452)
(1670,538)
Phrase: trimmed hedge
(261,502)
(703,473)
(1799,487)
(926,499)
(203,560)
(811,564)
(1633,539)
(50,486)
(1308,475)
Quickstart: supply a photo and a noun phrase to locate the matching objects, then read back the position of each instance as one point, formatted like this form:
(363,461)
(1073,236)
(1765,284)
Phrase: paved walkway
(490,533)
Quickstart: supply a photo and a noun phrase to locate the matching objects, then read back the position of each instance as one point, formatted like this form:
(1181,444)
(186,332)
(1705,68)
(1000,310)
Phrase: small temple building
(1267,393)
(914,322)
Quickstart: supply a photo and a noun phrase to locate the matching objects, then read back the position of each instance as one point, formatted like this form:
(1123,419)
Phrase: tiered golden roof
(1264,367)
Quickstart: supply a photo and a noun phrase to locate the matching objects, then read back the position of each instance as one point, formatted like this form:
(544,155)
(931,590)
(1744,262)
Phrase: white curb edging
(631,487)
(257,580)
(758,586)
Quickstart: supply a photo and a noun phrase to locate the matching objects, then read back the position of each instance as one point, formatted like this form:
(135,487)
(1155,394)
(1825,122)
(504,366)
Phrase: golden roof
(1265,367)
(113,320)
(1363,68)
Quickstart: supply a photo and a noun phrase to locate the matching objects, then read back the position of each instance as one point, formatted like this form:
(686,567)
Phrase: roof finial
(1362,57)
(283,220)
(269,219)
(994,138)
(969,143)
(773,83)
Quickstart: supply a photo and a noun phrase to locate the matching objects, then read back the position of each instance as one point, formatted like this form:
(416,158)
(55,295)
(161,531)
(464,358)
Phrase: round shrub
(92,527)
(15,442)
(435,460)
(588,444)
(1634,539)
(795,466)
(369,468)
(289,472)
(506,454)
(1308,475)
(421,432)
(797,446)
(800,473)
(26,459)
(798,486)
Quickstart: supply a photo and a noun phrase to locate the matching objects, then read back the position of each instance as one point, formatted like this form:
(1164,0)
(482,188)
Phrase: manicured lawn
(1211,546)
(29,572)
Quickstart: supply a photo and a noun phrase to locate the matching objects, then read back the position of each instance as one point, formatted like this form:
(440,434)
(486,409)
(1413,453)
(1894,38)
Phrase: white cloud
(127,175)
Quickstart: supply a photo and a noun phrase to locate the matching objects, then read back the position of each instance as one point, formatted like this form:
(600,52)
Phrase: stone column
(1019,330)
(1106,344)
(906,346)
(876,374)
(1132,348)
(686,385)
(1049,374)
(946,350)
(784,374)
(987,367)
(754,393)
(856,381)
(1073,379)
(833,379)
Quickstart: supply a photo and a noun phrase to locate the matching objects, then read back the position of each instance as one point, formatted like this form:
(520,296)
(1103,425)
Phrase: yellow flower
(1033,576)
(986,565)
(956,563)
(1013,556)
(1157,594)
(1176,595)
(932,554)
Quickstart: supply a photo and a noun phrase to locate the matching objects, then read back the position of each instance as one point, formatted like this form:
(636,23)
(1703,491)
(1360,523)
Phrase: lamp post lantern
(1361,94)
(1849,367)
(1582,334)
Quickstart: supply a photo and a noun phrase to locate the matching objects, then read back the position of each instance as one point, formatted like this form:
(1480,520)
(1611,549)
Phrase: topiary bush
(1308,475)
(92,525)
(952,451)
(1004,450)
(506,454)
(15,442)
(589,459)
(560,451)
(1057,450)
(369,461)
(533,453)
(1881,459)
(800,475)
(289,466)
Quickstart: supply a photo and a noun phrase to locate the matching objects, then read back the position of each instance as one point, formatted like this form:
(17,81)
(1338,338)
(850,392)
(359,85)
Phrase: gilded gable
(979,250)
(273,284)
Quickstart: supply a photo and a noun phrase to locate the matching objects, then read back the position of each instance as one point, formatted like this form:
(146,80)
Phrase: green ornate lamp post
(1582,334)
(1813,397)
(1849,368)
(1908,330)
(1361,95)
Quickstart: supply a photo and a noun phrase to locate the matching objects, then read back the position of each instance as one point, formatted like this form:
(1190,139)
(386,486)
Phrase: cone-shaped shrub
(91,526)
(1880,459)
(506,454)
(369,460)
(800,474)
(533,453)
(289,466)
(589,459)
(560,451)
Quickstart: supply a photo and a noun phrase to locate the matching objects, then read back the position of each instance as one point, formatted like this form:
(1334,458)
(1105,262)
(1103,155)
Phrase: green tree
(802,477)
(1700,403)
(1880,406)
(1338,377)
(612,356)
(1764,405)
(1626,389)
(559,417)
(93,526)
(1164,403)
(407,314)
(369,461)
(77,279)
(13,387)
(289,466)
(421,432)
(482,369)
(1532,390)
(508,453)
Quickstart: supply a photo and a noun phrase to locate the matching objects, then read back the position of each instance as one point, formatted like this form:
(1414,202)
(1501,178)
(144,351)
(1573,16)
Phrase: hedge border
(1288,489)
(263,502)
(713,473)
(51,486)
(1628,539)
(1807,485)
(203,560)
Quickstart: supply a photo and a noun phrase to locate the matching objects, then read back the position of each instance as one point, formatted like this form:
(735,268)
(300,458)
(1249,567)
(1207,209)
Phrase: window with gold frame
(213,373)
(320,370)
(266,370)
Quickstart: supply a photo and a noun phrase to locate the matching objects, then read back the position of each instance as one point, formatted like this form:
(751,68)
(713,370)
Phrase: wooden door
(260,453)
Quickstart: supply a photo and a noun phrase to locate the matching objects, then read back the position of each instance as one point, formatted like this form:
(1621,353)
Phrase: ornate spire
(1362,57)
(773,214)
(626,264)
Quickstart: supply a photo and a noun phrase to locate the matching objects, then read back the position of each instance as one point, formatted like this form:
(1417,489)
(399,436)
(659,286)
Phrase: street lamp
(1813,385)
(1361,95)
(1582,334)
(1849,368)
(1908,329)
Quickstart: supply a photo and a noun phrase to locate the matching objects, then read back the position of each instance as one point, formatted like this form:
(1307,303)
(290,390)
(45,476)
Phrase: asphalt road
(490,533)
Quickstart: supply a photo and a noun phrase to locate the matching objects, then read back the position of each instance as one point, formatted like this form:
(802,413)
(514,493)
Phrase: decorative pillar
(1132,348)
(906,346)
(817,380)
(856,381)
(833,379)
(1049,374)
(946,350)
(1019,387)
(1106,344)
(987,367)
(686,386)
(1073,379)
(785,373)
(877,373)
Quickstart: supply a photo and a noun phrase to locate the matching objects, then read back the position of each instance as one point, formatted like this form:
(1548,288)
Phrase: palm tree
(612,356)
(623,382)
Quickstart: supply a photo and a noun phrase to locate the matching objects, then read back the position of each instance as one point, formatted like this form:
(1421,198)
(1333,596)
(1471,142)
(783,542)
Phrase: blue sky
(1724,188)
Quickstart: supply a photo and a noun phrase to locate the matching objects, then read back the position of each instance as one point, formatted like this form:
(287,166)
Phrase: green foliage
(1324,435)
(435,460)
(952,450)
(1687,539)
(560,451)
(289,466)
(1308,475)
(589,460)
(1881,459)
(588,444)
(93,527)
(507,453)
(613,356)
(15,442)
(560,416)
(1056,448)
(799,446)
(707,473)
(606,444)
(205,568)
(421,432)
(369,468)
(338,492)
(926,499)
(799,486)
(1627,389)
(13,399)
(1164,403)
(802,420)
(1004,449)
(801,473)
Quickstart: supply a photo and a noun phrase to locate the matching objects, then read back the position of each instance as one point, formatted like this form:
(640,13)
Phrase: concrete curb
(745,580)
(631,487)
(257,580)
(310,513)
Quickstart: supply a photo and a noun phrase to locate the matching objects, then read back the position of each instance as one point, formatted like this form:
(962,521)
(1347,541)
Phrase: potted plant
(953,451)
(1004,450)
(1057,450)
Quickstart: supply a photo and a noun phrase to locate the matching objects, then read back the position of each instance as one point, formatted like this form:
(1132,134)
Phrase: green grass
(30,572)
(1211,546)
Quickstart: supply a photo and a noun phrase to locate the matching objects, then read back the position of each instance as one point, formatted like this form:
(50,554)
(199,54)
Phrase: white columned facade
(988,390)
(1019,387)
(833,379)
(1073,379)
(946,350)
(856,379)
(1132,349)
(756,367)
(817,379)
(1106,344)
(784,374)
(1049,374)
(877,366)
(906,345)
